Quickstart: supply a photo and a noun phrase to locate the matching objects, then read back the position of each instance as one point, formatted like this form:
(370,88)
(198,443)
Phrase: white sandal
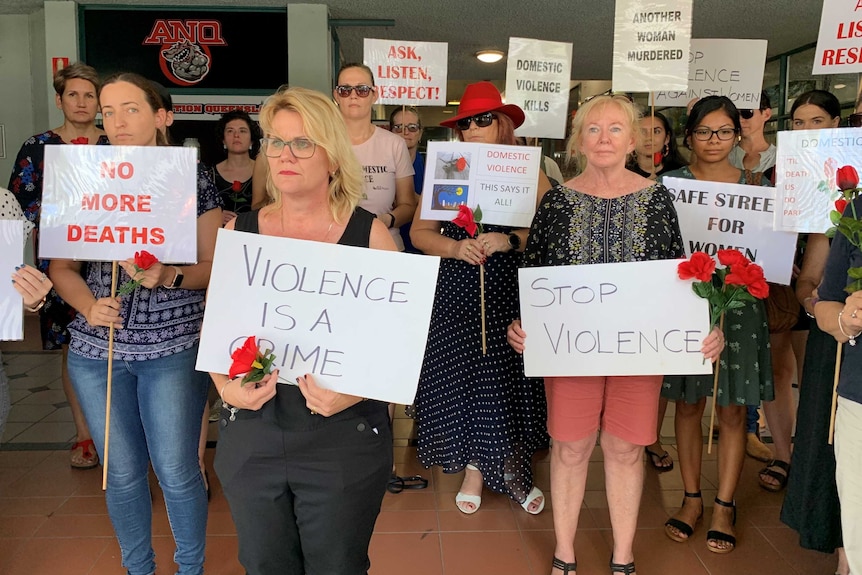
(535,493)
(474,500)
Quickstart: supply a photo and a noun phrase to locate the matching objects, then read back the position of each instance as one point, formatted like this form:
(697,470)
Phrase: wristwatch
(514,241)
(178,279)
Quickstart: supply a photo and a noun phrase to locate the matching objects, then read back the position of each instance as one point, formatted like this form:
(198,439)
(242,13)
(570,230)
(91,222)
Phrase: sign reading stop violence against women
(717,216)
(651,45)
(408,73)
(354,318)
(537,80)
(634,318)
(721,67)
(502,180)
(805,169)
(839,44)
(104,203)
(11,255)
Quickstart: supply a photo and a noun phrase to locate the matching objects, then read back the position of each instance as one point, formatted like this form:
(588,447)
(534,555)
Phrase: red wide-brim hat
(484,97)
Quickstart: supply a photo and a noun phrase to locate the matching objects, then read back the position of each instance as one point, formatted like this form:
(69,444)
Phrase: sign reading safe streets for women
(356,319)
(537,80)
(502,180)
(11,255)
(633,318)
(715,216)
(408,73)
(651,45)
(104,203)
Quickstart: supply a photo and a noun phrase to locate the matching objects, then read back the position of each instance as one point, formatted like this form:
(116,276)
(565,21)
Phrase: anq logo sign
(185,56)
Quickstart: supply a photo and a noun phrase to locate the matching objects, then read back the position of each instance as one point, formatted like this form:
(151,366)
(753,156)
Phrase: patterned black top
(573,228)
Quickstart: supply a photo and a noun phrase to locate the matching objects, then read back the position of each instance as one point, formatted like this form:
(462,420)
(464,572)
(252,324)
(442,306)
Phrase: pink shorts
(624,406)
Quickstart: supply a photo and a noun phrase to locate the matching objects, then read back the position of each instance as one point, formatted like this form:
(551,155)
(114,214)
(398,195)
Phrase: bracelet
(226,405)
(851,338)
(38,306)
(391,223)
(814,301)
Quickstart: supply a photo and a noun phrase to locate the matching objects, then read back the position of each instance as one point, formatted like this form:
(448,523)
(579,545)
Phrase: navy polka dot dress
(475,408)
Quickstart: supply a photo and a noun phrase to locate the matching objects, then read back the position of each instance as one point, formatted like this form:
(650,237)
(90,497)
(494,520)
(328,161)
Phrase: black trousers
(304,500)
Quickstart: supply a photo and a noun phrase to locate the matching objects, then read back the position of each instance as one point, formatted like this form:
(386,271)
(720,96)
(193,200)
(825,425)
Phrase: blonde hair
(622,102)
(325,127)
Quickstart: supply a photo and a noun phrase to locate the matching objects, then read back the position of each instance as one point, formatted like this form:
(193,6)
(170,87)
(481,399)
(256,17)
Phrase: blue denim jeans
(156,410)
(751,419)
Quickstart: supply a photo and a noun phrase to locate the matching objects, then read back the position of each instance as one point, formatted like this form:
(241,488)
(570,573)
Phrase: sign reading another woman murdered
(501,180)
(203,49)
(104,203)
(11,255)
(537,80)
(356,319)
(634,318)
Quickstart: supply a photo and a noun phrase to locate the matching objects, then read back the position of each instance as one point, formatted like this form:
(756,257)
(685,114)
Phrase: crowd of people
(304,469)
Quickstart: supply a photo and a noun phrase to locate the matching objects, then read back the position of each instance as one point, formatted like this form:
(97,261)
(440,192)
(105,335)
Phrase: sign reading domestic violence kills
(651,45)
(356,319)
(717,216)
(408,73)
(805,168)
(11,255)
(633,318)
(537,80)
(104,203)
(721,67)
(839,44)
(502,180)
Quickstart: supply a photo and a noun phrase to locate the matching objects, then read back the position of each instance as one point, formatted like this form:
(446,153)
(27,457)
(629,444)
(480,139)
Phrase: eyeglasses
(362,90)
(481,121)
(412,128)
(854,120)
(705,134)
(301,148)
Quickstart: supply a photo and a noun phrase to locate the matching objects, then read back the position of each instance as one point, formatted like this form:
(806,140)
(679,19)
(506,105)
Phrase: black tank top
(291,413)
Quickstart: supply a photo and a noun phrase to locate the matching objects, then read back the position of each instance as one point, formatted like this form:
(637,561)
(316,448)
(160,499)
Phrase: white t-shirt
(385,159)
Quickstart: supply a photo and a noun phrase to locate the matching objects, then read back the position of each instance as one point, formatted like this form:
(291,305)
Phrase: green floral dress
(745,374)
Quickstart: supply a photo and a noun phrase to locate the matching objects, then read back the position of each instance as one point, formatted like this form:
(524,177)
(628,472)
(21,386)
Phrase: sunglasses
(412,128)
(854,120)
(481,121)
(362,90)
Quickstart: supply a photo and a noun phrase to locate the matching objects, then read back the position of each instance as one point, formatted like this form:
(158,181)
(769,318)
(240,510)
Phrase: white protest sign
(721,67)
(651,45)
(634,318)
(11,255)
(716,216)
(104,203)
(502,180)
(537,80)
(408,73)
(838,48)
(805,168)
(356,319)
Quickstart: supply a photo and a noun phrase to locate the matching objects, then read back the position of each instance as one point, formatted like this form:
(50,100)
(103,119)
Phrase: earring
(666,150)
(224,146)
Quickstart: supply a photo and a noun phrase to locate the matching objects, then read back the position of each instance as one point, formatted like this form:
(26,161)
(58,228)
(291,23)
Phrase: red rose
(145,260)
(847,178)
(657,158)
(81,140)
(243,358)
(700,266)
(745,276)
(461,164)
(759,289)
(465,220)
(732,258)
(840,204)
(236,186)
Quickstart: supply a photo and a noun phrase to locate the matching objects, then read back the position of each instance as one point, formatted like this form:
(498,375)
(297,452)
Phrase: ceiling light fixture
(489,56)
(840,86)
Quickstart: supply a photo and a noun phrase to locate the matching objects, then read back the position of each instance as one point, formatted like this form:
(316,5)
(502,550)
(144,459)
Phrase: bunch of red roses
(848,185)
(726,288)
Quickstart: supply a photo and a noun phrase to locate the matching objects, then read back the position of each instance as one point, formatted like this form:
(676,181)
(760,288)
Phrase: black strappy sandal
(682,526)
(781,478)
(713,535)
(625,569)
(565,567)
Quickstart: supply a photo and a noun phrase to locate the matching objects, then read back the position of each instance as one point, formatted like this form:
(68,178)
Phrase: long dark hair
(824,100)
(707,106)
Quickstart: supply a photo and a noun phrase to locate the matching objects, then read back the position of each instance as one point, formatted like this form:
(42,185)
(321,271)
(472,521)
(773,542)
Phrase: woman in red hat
(473,410)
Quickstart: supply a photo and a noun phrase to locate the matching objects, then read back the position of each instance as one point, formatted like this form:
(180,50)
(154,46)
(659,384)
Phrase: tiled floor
(53,519)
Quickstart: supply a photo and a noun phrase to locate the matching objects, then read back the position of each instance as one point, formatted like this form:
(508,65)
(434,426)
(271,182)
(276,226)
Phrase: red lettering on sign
(194,31)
